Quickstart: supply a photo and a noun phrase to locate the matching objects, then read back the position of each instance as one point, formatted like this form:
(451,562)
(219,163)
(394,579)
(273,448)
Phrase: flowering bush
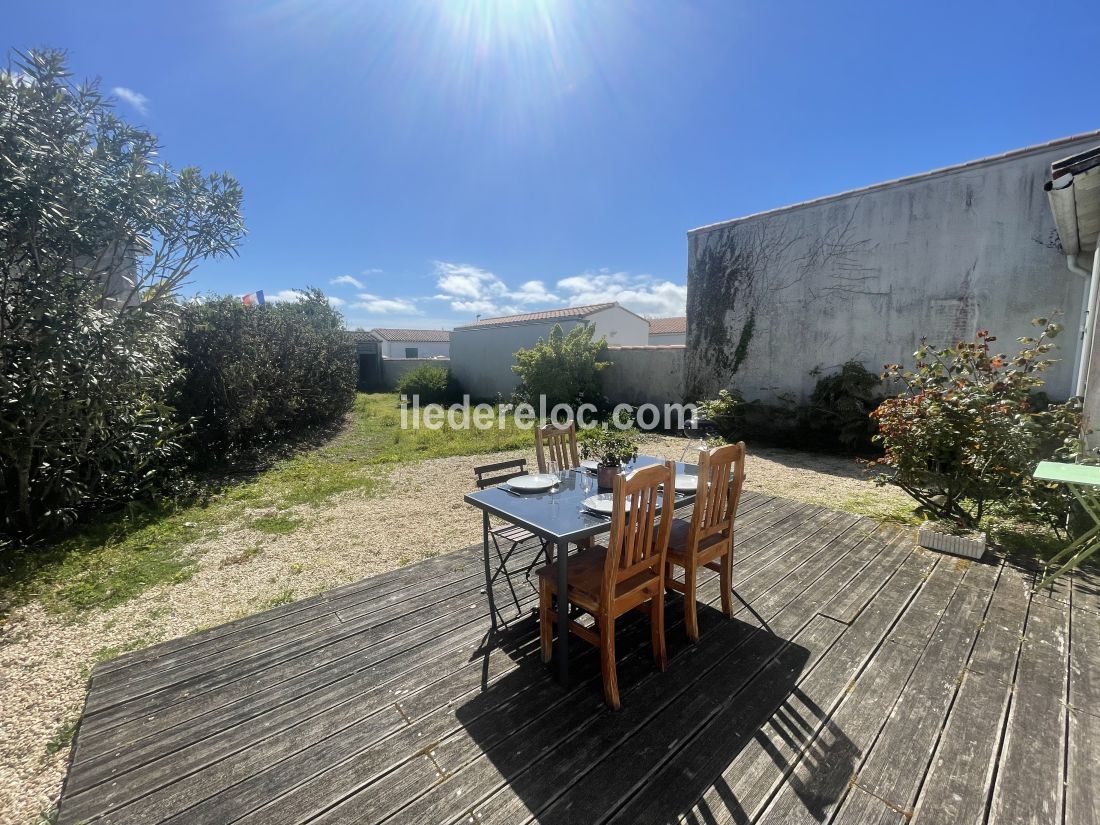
(969,429)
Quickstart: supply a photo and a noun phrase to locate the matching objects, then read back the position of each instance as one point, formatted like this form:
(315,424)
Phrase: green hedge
(258,374)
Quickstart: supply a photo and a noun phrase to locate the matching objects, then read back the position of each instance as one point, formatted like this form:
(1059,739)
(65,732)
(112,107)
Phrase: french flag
(254,298)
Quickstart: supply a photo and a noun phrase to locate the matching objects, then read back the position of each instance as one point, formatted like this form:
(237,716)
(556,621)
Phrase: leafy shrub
(95,237)
(841,405)
(725,412)
(564,368)
(836,419)
(434,385)
(966,432)
(257,374)
(612,447)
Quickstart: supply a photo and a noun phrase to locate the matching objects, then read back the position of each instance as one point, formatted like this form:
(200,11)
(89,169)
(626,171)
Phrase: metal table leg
(563,613)
(1085,545)
(488,574)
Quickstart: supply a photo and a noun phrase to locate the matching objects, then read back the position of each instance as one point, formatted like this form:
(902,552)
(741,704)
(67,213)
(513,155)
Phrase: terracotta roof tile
(435,336)
(668,326)
(546,315)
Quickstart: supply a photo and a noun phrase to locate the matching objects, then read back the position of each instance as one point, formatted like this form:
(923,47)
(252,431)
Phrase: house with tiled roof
(668,330)
(406,343)
(483,353)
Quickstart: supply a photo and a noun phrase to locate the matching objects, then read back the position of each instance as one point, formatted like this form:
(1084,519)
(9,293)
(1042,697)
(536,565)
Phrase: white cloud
(466,281)
(347,280)
(135,99)
(372,271)
(384,306)
(477,291)
(283,295)
(643,294)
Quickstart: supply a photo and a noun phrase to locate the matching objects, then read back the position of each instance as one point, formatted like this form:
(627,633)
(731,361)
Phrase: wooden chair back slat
(554,443)
(489,475)
(639,539)
(721,477)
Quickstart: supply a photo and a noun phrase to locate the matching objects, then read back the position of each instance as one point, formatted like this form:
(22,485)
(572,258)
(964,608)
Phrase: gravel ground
(45,660)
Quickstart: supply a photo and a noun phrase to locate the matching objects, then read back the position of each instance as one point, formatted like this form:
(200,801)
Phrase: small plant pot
(970,546)
(605,476)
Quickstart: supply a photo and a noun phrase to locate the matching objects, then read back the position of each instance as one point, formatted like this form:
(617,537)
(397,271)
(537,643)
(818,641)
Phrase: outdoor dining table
(556,516)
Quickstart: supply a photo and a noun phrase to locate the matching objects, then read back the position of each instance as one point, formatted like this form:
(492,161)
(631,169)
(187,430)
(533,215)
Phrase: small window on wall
(411,352)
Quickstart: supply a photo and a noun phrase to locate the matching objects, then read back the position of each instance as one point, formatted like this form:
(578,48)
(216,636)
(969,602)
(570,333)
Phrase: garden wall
(394,368)
(865,274)
(645,374)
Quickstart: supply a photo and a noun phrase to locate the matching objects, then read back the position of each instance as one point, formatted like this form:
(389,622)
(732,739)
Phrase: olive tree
(96,236)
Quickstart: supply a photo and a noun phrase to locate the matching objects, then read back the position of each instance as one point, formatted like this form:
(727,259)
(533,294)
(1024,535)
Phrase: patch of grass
(63,738)
(285,596)
(877,505)
(105,563)
(116,558)
(276,525)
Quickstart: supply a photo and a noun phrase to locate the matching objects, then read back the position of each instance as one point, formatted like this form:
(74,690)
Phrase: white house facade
(413,343)
(483,354)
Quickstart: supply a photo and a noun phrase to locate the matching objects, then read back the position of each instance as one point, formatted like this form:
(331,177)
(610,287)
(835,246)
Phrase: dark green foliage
(610,446)
(837,419)
(841,406)
(434,385)
(95,237)
(564,368)
(257,374)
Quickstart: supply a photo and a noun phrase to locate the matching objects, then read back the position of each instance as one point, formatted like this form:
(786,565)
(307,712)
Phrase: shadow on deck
(862,679)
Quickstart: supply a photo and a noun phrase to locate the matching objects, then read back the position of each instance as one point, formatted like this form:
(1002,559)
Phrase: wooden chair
(512,536)
(554,443)
(707,540)
(628,574)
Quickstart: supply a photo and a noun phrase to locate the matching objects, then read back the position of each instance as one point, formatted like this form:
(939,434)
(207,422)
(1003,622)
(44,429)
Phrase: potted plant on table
(611,448)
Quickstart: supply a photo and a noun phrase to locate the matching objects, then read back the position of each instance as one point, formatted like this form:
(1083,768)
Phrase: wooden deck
(863,681)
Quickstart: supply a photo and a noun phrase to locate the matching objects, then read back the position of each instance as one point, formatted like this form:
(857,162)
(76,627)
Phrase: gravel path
(45,660)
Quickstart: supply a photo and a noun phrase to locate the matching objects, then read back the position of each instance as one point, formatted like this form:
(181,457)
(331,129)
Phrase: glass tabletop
(559,513)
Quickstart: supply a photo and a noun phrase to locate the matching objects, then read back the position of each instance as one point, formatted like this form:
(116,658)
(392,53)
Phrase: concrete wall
(660,339)
(425,349)
(645,374)
(394,368)
(482,357)
(866,274)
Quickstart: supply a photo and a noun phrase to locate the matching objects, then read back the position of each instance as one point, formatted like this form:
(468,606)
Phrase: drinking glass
(552,467)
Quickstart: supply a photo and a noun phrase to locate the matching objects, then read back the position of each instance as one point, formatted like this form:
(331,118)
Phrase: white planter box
(970,547)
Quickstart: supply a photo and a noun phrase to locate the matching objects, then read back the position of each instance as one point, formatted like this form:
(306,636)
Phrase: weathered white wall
(866,274)
(425,349)
(394,368)
(660,339)
(645,374)
(482,357)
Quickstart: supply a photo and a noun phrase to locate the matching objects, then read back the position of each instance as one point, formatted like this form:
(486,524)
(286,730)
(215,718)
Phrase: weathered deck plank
(860,678)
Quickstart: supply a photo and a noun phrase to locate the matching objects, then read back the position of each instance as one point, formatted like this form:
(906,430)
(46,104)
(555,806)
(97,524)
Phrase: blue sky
(426,162)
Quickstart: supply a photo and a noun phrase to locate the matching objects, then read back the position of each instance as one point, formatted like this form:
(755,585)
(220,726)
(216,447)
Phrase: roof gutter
(1063,205)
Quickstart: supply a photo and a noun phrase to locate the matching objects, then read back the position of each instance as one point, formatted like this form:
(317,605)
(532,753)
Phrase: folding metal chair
(506,538)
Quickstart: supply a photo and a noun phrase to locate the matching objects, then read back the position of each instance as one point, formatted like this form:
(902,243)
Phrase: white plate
(686,483)
(590,464)
(604,503)
(535,483)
